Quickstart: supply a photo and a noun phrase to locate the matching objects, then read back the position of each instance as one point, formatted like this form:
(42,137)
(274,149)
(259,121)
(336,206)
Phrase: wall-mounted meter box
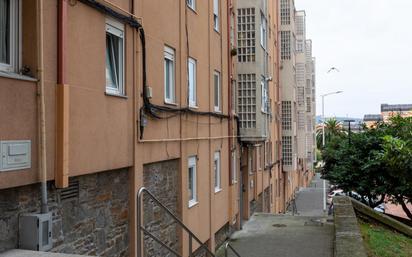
(35,231)
(15,155)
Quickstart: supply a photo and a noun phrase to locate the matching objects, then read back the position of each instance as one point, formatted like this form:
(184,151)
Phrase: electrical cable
(152,109)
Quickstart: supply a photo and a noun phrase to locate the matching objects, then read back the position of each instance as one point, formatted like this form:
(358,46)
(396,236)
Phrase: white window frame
(263,31)
(192,83)
(234,166)
(191,4)
(217,168)
(216,15)
(217,108)
(117,29)
(192,163)
(169,54)
(15,30)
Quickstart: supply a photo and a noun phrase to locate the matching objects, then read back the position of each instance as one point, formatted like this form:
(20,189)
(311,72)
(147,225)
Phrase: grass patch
(383,242)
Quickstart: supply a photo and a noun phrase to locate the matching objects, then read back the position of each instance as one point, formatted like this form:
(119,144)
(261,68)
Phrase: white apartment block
(297,81)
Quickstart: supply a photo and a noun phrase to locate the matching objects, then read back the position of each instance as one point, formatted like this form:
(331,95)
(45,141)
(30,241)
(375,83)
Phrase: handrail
(229,247)
(141,229)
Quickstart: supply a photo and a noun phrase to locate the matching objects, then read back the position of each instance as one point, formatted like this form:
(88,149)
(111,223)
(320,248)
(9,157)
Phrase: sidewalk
(308,234)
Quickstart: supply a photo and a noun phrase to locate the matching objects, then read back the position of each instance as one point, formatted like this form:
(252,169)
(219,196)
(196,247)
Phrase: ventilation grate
(71,192)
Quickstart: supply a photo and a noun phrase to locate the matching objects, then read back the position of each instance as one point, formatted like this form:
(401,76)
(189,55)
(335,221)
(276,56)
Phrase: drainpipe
(229,102)
(62,102)
(41,110)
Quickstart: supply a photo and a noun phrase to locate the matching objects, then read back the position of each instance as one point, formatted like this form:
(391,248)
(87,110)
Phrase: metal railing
(141,230)
(229,247)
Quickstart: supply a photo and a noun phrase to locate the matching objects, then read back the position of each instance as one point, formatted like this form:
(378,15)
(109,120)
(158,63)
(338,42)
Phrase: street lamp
(323,139)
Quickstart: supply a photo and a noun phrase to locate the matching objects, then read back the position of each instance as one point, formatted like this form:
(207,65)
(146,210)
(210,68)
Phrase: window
(217,93)
(114,57)
(299,46)
(264,104)
(247,100)
(9,35)
(263,31)
(308,104)
(246,34)
(286,115)
(192,82)
(285,12)
(285,45)
(169,70)
(234,171)
(216,14)
(191,4)
(287,150)
(217,172)
(192,181)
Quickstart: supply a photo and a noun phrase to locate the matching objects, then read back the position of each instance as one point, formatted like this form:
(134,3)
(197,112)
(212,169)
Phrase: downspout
(281,174)
(62,102)
(41,109)
(229,104)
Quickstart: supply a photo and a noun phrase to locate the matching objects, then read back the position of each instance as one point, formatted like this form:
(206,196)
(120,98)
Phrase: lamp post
(323,139)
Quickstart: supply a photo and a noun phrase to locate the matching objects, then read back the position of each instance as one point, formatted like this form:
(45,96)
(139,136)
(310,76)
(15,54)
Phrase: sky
(370,42)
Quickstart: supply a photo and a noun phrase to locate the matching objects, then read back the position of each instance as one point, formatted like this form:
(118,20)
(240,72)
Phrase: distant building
(370,120)
(390,110)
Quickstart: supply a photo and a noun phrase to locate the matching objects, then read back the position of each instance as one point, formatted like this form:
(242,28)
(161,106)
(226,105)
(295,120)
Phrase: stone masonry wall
(267,199)
(95,222)
(162,180)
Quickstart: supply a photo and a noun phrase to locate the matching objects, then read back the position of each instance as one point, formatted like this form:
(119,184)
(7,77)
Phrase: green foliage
(374,163)
(333,128)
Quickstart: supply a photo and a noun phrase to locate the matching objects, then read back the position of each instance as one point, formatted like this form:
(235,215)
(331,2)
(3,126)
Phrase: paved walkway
(309,234)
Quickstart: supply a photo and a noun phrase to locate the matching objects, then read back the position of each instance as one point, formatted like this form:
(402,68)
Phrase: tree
(375,163)
(397,155)
(352,166)
(333,128)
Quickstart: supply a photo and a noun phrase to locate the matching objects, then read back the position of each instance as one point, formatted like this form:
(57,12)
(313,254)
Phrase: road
(306,234)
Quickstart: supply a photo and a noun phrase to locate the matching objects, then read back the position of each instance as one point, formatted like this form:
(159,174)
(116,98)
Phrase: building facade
(102,98)
(297,81)
(390,110)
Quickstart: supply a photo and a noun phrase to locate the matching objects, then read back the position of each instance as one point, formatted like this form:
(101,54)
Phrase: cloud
(370,42)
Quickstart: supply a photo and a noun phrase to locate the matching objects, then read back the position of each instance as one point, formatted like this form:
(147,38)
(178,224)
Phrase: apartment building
(101,98)
(390,110)
(298,98)
(257,99)
(184,98)
(370,120)
(310,101)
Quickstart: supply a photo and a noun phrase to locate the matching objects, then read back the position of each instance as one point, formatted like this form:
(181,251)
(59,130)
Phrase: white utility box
(35,231)
(15,155)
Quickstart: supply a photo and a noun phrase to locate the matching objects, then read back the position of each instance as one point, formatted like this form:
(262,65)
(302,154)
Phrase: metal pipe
(41,109)
(143,190)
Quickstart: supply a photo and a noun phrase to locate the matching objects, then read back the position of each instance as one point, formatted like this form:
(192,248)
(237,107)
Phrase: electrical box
(35,231)
(15,155)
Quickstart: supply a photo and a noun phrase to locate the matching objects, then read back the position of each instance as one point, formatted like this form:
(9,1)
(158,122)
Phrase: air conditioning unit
(35,231)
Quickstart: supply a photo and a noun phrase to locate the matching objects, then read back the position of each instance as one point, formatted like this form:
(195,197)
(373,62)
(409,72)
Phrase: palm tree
(333,128)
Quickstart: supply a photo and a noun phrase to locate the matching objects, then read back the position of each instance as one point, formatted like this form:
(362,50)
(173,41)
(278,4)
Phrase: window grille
(308,104)
(247,100)
(285,45)
(300,73)
(286,115)
(284,12)
(287,150)
(246,35)
(299,46)
(300,25)
(308,49)
(301,96)
(309,123)
(301,120)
